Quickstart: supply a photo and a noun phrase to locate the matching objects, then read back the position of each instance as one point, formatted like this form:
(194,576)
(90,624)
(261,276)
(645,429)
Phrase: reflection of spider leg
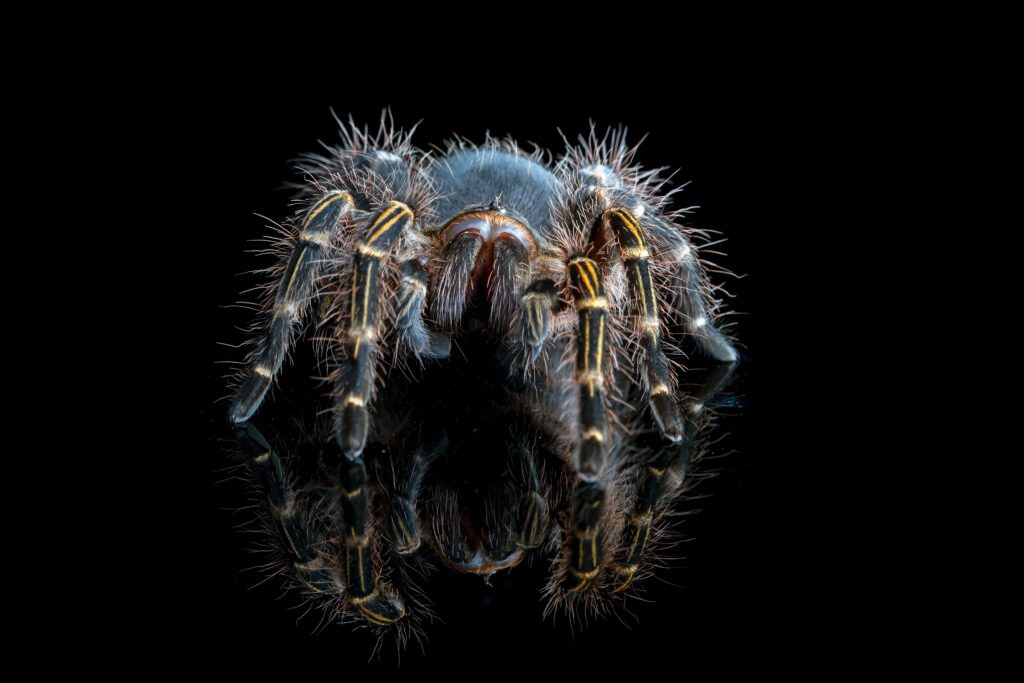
(664,474)
(294,292)
(361,573)
(405,526)
(300,533)
(533,509)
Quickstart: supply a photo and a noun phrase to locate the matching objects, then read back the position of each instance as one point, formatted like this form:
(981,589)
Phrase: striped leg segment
(660,389)
(588,498)
(592,308)
(405,527)
(301,540)
(355,386)
(293,295)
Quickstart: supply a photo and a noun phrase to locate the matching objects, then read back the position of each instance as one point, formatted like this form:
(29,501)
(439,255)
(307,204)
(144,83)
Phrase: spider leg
(300,536)
(665,474)
(412,297)
(591,346)
(355,386)
(659,378)
(536,305)
(293,295)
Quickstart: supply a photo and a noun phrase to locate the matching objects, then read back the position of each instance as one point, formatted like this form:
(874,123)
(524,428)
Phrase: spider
(534,306)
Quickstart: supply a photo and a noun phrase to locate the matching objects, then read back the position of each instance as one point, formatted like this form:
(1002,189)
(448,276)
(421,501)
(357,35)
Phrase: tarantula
(531,305)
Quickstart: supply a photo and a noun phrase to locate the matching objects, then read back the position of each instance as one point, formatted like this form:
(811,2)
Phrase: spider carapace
(501,333)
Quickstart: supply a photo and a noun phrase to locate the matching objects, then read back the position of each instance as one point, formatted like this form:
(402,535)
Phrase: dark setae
(542,306)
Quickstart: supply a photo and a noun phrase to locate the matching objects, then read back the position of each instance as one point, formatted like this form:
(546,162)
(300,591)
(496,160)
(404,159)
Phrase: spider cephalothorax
(543,303)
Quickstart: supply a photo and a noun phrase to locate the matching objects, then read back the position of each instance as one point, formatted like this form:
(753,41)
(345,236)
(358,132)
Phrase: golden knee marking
(414,283)
(364,248)
(353,400)
(262,370)
(634,253)
(263,457)
(629,569)
(358,335)
(599,302)
(372,595)
(593,434)
(289,308)
(375,617)
(659,389)
(313,565)
(628,573)
(319,237)
(584,576)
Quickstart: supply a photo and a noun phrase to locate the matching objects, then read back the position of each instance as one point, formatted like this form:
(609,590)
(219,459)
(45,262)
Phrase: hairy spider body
(542,303)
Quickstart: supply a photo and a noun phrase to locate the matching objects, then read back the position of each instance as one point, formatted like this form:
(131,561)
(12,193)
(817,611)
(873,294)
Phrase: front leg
(312,247)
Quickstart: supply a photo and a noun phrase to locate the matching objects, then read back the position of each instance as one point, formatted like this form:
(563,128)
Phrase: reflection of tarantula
(564,290)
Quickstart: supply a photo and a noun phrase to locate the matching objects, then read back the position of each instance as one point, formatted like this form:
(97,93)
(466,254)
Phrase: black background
(745,143)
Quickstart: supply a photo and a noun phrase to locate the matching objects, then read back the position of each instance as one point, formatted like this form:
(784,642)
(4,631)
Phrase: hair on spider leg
(558,431)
